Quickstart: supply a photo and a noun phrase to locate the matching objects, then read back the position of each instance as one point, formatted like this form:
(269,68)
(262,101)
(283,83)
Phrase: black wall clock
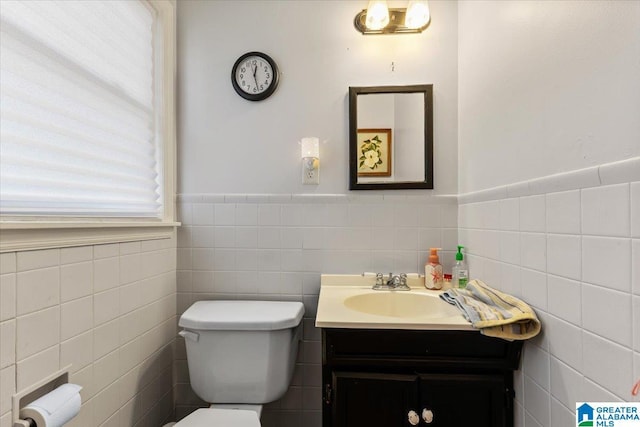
(254,76)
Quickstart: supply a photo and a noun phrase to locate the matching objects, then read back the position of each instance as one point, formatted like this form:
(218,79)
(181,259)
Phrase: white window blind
(79,131)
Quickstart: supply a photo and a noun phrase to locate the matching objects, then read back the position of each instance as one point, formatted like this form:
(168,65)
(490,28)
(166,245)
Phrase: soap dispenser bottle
(433,271)
(460,271)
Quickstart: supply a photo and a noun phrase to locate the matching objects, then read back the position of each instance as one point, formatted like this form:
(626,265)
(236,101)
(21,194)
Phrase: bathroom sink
(396,304)
(347,301)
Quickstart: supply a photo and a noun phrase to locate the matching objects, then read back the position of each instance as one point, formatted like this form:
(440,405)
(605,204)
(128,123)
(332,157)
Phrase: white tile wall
(608,364)
(605,210)
(562,210)
(579,261)
(276,249)
(563,299)
(533,213)
(533,251)
(109,311)
(564,255)
(535,292)
(560,415)
(635,209)
(566,383)
(635,261)
(607,323)
(606,262)
(537,403)
(37,289)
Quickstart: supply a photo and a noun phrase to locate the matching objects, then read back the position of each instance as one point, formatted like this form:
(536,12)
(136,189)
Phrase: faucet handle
(379,279)
(403,279)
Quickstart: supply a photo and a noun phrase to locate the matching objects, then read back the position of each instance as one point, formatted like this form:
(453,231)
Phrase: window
(86,111)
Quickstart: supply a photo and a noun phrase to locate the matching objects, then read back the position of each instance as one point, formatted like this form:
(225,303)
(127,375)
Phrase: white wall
(230,145)
(109,311)
(251,229)
(546,87)
(575,257)
(550,101)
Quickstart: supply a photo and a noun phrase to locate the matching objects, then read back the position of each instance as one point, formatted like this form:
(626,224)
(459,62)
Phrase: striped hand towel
(495,313)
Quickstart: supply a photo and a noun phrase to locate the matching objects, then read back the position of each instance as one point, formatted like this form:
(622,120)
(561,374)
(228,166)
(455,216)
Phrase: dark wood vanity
(376,377)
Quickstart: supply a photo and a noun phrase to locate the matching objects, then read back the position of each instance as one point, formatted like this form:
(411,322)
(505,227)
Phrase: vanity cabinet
(376,377)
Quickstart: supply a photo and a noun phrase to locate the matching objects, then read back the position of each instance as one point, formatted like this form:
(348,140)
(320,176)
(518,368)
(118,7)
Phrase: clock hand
(255,68)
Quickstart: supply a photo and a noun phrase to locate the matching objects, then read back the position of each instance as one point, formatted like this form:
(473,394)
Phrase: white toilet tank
(241,351)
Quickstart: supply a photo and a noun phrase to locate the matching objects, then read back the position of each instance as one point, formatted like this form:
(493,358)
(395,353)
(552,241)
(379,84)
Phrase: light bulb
(377,15)
(417,14)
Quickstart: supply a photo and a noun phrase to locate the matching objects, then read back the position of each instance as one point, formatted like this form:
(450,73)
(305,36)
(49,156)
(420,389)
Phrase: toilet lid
(241,315)
(207,417)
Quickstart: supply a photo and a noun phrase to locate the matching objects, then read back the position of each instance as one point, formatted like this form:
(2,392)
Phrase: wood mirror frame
(427,183)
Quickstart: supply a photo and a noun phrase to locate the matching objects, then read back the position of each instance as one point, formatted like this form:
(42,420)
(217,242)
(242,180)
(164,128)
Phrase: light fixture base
(396,23)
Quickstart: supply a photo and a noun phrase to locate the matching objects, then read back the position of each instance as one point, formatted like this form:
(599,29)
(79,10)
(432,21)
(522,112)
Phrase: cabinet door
(373,400)
(463,400)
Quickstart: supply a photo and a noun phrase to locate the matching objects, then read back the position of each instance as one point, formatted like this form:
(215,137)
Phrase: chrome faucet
(397,282)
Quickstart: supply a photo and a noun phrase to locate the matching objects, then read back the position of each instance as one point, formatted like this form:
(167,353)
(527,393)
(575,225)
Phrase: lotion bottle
(460,271)
(433,278)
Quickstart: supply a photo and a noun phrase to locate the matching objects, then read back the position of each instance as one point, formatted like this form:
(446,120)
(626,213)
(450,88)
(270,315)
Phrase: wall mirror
(391,137)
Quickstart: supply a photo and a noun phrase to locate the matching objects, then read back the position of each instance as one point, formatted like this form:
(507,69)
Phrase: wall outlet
(310,175)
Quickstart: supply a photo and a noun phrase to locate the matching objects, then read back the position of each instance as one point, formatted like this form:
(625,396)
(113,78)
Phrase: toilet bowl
(240,354)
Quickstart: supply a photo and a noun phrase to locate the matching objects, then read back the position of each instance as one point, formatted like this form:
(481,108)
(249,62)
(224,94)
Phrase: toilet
(241,355)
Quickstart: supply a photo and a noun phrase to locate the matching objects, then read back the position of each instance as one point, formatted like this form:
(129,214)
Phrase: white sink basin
(396,304)
(347,301)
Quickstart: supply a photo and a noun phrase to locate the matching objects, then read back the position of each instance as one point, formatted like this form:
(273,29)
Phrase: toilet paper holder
(35,391)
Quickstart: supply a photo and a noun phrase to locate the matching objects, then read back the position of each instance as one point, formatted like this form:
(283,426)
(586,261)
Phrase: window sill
(32,235)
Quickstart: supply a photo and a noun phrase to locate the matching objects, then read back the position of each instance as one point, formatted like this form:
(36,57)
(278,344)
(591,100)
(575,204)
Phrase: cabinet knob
(413,418)
(427,415)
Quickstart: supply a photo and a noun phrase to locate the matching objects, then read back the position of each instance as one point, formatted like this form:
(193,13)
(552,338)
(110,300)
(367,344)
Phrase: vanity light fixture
(379,19)
(310,152)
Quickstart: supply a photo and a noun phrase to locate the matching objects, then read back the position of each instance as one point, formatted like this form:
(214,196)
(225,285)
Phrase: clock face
(254,76)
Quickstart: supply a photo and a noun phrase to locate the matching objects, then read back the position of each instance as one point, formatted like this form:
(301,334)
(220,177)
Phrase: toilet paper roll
(56,408)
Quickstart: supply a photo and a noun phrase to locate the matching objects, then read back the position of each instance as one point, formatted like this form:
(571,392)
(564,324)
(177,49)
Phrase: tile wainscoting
(275,247)
(567,244)
(574,255)
(110,311)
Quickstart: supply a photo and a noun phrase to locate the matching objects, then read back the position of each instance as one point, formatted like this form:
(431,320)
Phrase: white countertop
(334,313)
